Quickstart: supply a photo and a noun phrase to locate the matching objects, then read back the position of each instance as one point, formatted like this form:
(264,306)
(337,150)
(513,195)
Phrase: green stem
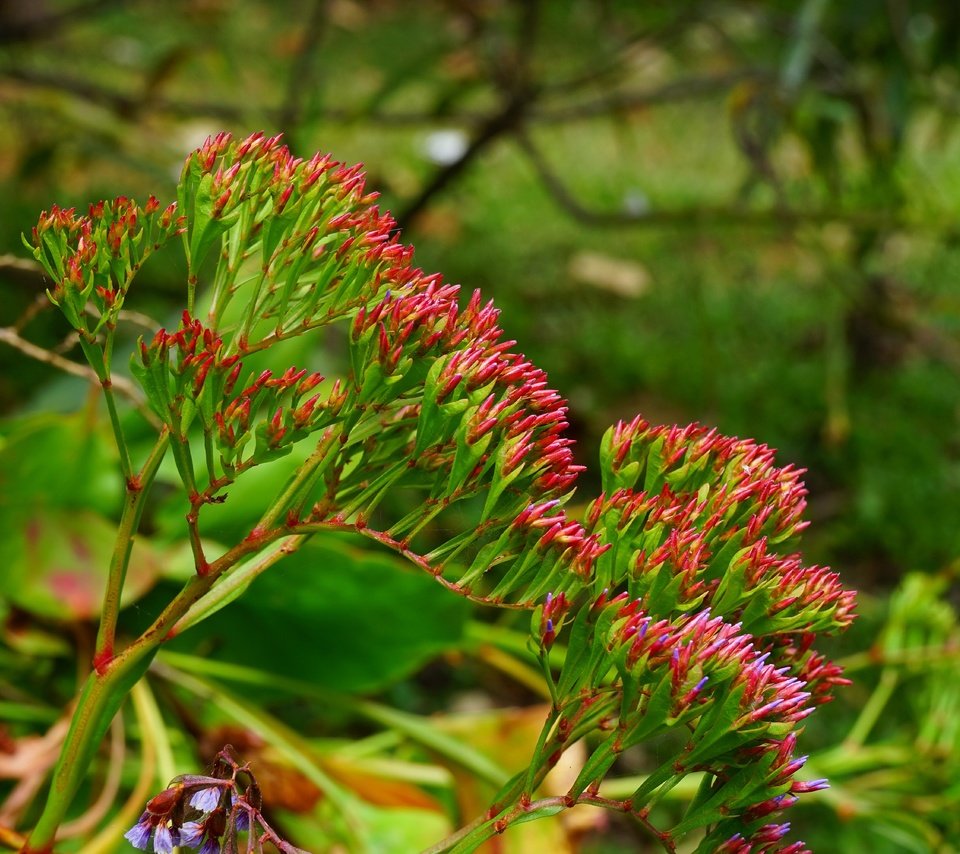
(181,455)
(874,707)
(99,359)
(539,761)
(106,689)
(479,832)
(195,589)
(137,489)
(126,467)
(299,487)
(150,721)
(101,697)
(448,843)
(110,397)
(237,581)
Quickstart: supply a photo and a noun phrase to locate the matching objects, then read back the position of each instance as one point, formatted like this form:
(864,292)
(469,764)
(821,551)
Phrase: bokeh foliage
(741,213)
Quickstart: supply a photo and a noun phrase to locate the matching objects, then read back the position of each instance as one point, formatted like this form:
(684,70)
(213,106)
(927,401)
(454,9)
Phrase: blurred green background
(739,213)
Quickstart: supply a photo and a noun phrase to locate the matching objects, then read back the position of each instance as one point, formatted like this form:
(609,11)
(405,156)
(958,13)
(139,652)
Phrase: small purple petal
(242,819)
(206,800)
(139,835)
(803,786)
(211,846)
(164,841)
(191,834)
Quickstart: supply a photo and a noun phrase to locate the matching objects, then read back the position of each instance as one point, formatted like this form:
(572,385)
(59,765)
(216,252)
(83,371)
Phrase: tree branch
(303,72)
(712,216)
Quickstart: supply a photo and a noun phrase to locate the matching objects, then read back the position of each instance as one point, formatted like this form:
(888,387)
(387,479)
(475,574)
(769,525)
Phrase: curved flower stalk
(679,614)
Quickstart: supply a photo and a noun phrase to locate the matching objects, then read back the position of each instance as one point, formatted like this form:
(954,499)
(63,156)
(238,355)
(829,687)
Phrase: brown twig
(122,385)
(496,126)
(690,88)
(518,94)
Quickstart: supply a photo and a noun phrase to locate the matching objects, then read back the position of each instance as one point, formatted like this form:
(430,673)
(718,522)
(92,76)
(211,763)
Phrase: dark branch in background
(304,73)
(687,88)
(510,117)
(24,272)
(518,94)
(712,217)
(526,102)
(496,126)
(28,23)
(602,67)
(123,103)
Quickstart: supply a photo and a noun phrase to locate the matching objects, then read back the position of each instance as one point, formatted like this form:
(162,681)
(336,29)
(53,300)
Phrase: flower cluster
(681,613)
(474,396)
(321,247)
(93,258)
(188,373)
(737,712)
(765,839)
(207,813)
(434,399)
(700,533)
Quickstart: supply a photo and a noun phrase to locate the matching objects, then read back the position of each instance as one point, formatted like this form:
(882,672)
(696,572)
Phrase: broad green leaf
(56,564)
(342,618)
(55,460)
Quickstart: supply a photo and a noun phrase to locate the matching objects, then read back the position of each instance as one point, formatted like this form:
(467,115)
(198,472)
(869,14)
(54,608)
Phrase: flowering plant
(220,808)
(681,619)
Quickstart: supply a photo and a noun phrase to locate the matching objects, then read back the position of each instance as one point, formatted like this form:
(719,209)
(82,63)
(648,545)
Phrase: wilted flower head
(206,812)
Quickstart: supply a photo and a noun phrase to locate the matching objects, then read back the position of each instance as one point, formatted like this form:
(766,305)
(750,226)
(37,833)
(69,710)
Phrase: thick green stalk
(99,701)
(105,691)
(136,492)
(149,721)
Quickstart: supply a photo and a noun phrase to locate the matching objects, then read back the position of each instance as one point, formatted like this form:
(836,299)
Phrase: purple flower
(211,846)
(241,819)
(206,800)
(165,840)
(139,835)
(191,834)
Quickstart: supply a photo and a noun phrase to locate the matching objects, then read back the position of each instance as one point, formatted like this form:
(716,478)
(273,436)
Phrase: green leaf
(344,619)
(57,460)
(59,490)
(56,563)
(582,638)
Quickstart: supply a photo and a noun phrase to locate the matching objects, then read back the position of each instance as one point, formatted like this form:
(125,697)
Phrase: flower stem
(99,701)
(137,488)
(105,691)
(299,487)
